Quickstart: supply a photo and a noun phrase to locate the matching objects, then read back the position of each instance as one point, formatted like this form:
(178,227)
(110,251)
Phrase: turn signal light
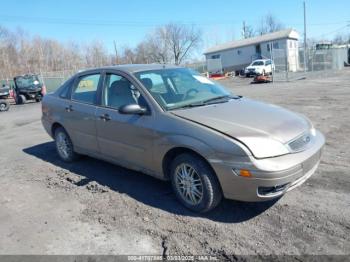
(245,173)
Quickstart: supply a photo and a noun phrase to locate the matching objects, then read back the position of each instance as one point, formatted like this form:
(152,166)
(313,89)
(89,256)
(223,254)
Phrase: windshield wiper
(214,100)
(188,105)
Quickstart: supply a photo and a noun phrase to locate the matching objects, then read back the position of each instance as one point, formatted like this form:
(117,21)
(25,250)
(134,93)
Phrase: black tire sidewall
(211,191)
(7,105)
(21,99)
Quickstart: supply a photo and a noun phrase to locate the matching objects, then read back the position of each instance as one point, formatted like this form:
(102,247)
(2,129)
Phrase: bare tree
(172,43)
(341,39)
(181,40)
(247,31)
(269,24)
(22,53)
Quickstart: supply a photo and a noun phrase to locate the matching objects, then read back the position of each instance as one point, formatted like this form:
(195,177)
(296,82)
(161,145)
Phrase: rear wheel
(4,105)
(194,183)
(64,145)
(21,99)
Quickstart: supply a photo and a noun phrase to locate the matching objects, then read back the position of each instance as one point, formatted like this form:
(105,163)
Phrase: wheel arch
(54,127)
(174,152)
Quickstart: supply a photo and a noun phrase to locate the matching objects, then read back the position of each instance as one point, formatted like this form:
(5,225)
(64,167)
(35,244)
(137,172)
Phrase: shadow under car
(144,188)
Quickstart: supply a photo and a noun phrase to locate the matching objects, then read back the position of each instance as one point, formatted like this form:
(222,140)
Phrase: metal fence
(292,66)
(288,65)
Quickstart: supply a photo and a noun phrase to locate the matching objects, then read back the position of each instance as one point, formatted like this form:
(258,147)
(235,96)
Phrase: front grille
(300,143)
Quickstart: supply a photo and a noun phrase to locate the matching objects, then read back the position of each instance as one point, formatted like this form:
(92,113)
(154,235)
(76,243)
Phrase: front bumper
(272,177)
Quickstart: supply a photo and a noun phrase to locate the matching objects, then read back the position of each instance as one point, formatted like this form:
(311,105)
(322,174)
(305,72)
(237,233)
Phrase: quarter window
(86,89)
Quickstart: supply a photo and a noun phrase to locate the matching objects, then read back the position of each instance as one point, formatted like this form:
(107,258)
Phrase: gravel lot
(92,207)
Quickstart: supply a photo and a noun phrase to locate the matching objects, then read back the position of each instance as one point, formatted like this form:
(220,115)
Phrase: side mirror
(132,109)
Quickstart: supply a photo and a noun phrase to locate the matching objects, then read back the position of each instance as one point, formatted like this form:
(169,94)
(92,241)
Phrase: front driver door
(125,139)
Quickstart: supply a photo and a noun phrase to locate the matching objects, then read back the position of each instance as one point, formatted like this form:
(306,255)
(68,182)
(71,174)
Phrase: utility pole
(305,39)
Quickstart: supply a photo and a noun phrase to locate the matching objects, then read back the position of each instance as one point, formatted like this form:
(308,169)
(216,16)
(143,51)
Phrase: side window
(154,83)
(86,89)
(119,91)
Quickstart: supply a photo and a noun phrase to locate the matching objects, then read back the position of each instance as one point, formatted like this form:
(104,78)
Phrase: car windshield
(182,87)
(27,81)
(258,63)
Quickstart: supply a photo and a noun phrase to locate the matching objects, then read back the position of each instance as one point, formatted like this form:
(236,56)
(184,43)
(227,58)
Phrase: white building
(236,55)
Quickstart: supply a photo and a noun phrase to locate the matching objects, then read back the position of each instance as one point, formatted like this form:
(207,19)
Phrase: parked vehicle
(174,124)
(28,87)
(259,67)
(4,95)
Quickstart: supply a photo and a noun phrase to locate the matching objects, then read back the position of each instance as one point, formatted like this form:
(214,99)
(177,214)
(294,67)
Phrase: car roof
(261,60)
(133,68)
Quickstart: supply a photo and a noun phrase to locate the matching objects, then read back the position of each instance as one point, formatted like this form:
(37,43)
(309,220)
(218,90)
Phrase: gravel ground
(92,207)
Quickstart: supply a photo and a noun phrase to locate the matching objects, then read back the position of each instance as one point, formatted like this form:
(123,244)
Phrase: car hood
(263,128)
(254,67)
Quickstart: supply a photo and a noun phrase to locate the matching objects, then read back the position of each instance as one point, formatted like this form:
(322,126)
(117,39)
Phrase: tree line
(21,53)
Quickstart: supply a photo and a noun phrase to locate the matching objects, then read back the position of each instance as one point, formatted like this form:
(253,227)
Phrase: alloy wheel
(188,184)
(63,145)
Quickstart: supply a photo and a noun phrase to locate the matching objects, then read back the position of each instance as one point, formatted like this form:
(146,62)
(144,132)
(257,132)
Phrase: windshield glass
(27,81)
(258,63)
(180,87)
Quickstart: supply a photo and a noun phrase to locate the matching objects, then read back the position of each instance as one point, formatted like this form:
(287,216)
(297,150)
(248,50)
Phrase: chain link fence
(291,66)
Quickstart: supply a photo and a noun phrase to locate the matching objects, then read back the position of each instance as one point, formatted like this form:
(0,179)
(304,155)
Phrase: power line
(334,31)
(65,21)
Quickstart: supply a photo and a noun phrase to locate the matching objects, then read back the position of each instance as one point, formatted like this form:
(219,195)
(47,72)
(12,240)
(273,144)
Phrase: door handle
(69,108)
(105,117)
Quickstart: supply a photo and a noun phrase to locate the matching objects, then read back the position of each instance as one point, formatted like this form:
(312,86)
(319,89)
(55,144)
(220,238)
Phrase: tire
(208,191)
(21,99)
(4,105)
(64,146)
(38,99)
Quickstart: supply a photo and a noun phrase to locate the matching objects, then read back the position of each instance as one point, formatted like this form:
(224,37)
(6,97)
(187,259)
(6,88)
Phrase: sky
(128,22)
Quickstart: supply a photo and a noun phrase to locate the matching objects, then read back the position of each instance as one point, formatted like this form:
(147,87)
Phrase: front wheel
(64,145)
(195,183)
(4,105)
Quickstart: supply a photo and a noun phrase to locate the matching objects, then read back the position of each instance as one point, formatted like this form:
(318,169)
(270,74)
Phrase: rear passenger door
(80,119)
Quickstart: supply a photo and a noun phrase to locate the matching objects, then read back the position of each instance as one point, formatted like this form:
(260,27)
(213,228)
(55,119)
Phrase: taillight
(43,90)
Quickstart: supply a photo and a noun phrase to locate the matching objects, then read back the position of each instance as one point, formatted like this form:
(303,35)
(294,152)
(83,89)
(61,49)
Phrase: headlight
(264,147)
